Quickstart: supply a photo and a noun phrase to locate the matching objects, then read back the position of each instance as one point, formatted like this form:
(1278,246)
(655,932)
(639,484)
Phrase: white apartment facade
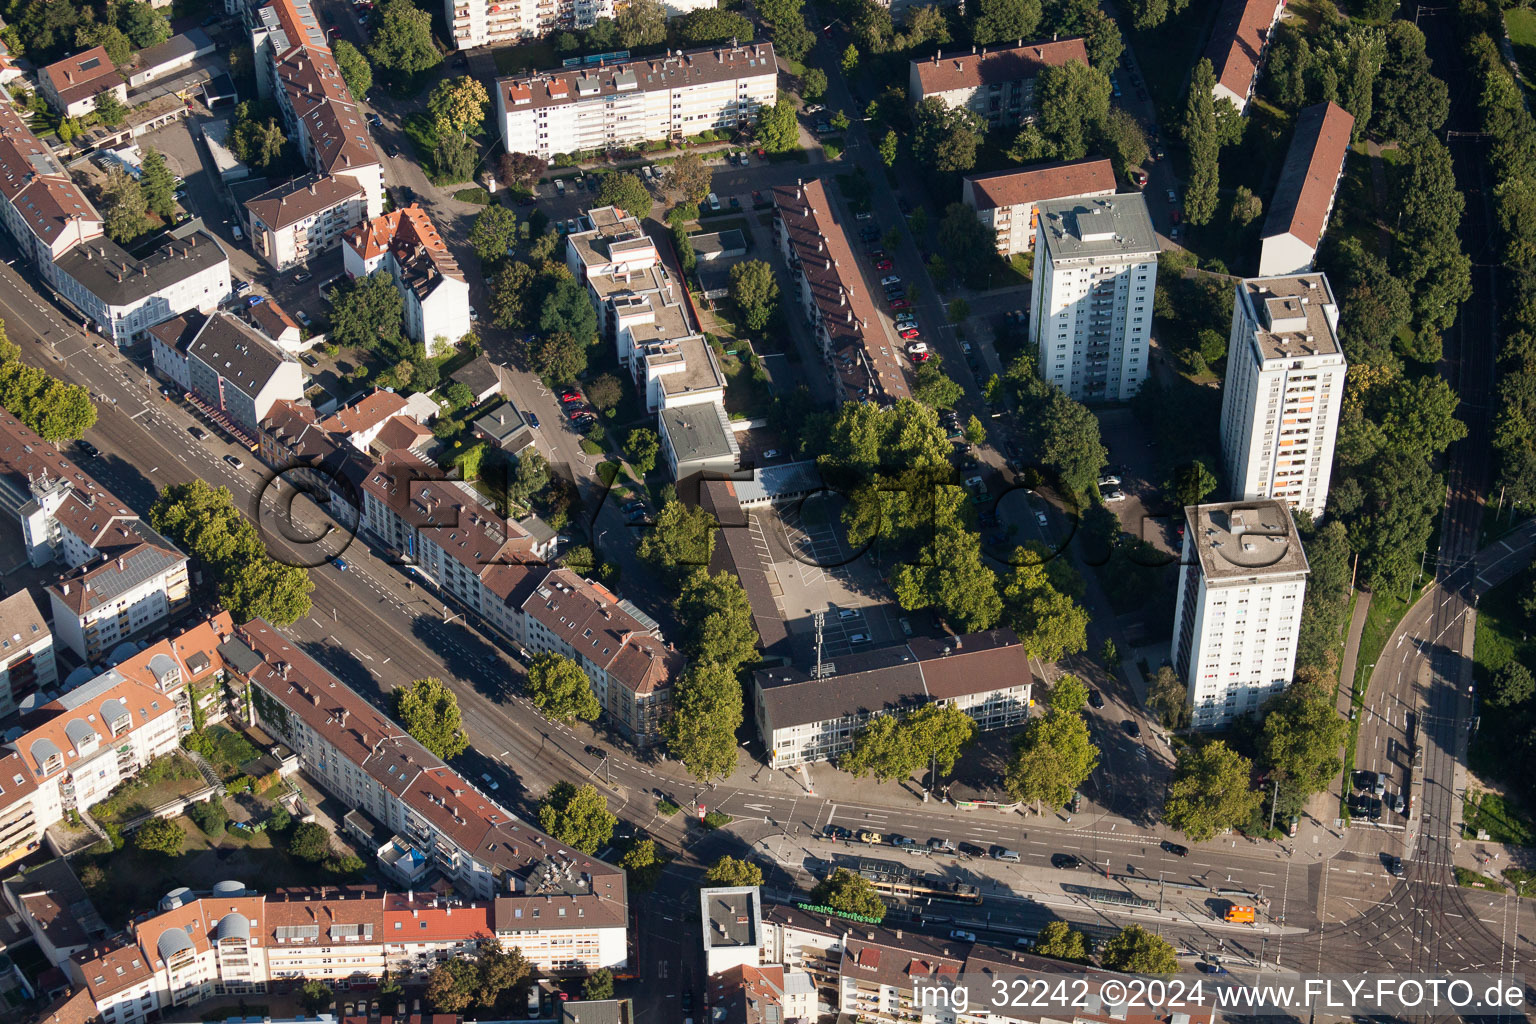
(102,732)
(304,217)
(487,23)
(433,289)
(803,719)
(1283,392)
(1242,578)
(1005,201)
(628,102)
(1091,302)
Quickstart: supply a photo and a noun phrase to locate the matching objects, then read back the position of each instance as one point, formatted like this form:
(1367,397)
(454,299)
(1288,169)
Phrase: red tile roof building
(1304,195)
(998,84)
(861,356)
(405,244)
(1005,201)
(71,85)
(1238,44)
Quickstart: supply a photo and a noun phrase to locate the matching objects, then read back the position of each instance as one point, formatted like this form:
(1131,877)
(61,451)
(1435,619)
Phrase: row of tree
(45,31)
(249,582)
(56,411)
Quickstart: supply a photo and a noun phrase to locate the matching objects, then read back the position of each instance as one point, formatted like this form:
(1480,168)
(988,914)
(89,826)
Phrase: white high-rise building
(1242,577)
(1285,384)
(1091,305)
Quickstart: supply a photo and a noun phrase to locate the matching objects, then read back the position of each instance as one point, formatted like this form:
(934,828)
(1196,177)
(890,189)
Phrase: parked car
(906,628)
(971,850)
(910,333)
(883,264)
(302,276)
(898,840)
(900,303)
(938,845)
(234,460)
(90,451)
(1109,481)
(714,202)
(1173,196)
(198,433)
(1115,496)
(873,838)
(1095,699)
(962,935)
(533,421)
(886,282)
(771,453)
(1065,861)
(837,832)
(1131,728)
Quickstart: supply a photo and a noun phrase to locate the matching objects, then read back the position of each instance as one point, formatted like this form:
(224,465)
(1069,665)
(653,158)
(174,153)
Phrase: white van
(560,186)
(714,202)
(237,232)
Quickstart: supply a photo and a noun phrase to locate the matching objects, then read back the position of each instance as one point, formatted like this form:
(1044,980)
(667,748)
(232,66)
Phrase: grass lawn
(1500,817)
(1354,214)
(1469,879)
(1520,22)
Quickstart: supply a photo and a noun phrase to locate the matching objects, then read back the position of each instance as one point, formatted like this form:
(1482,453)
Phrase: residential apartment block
(641,309)
(58,229)
(997,84)
(27,664)
(121,578)
(70,86)
(1238,44)
(345,184)
(69,753)
(1304,195)
(486,23)
(234,941)
(304,217)
(803,718)
(405,245)
(232,372)
(1242,577)
(627,102)
(566,910)
(1284,389)
(1005,201)
(1091,301)
(860,356)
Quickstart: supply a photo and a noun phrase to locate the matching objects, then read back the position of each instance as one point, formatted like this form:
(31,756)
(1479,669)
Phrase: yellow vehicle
(873,838)
(1240,915)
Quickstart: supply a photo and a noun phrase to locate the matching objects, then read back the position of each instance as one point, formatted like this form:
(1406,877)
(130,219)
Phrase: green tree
(642,23)
(402,40)
(158,183)
(367,313)
(933,387)
(1513,686)
(850,59)
(939,733)
(717,619)
(559,357)
(1211,791)
(210,816)
(1303,733)
(205,523)
(1200,135)
(159,835)
(998,21)
(628,193)
(604,391)
(354,67)
(315,995)
(706,712)
(453,984)
(1410,101)
(778,130)
(643,864)
(755,291)
(499,969)
(813,84)
(1121,136)
(1058,941)
(969,247)
(599,984)
(509,294)
(1190,483)
(560,689)
(880,748)
(577,817)
(1050,623)
(126,214)
(691,176)
(1053,755)
(256,137)
(430,712)
(975,431)
(1074,100)
(55,410)
(641,448)
(1067,442)
(1137,951)
(567,308)
(116,42)
(494,235)
(944,137)
(851,893)
(952,577)
(457,105)
(730,871)
(309,841)
(890,148)
(142,23)
(1152,13)
(682,540)
(1246,207)
(1166,696)
(712,25)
